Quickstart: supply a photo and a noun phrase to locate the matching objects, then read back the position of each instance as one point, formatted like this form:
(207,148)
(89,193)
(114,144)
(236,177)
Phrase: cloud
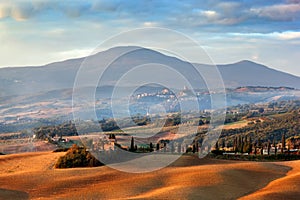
(214,14)
(293,1)
(105,5)
(289,35)
(4,10)
(284,12)
(210,14)
(286,35)
(21,11)
(150,24)
(212,17)
(229,7)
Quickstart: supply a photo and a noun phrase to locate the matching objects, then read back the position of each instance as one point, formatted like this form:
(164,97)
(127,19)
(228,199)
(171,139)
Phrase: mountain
(61,75)
(247,73)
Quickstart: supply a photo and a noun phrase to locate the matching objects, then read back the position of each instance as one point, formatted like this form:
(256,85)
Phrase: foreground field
(32,176)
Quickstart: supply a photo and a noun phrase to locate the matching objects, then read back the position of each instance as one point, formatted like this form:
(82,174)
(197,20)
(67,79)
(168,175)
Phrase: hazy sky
(41,31)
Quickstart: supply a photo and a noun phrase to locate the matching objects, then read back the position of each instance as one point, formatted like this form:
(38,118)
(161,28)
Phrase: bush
(261,158)
(217,152)
(61,150)
(77,157)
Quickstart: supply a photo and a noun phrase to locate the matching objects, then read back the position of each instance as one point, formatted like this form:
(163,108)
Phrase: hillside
(245,73)
(32,175)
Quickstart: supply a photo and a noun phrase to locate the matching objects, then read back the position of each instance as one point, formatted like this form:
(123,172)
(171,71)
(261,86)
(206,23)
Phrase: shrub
(61,150)
(217,152)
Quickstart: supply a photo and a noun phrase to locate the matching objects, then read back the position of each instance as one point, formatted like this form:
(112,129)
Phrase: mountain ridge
(62,74)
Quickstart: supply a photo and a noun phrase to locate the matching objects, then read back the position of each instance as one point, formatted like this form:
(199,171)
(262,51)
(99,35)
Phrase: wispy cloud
(287,35)
(19,12)
(286,12)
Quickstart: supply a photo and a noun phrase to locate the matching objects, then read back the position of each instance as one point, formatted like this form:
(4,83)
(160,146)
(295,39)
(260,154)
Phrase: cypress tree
(217,145)
(250,145)
(132,147)
(283,142)
(151,147)
(235,144)
(274,144)
(239,145)
(223,143)
(269,147)
(179,147)
(172,147)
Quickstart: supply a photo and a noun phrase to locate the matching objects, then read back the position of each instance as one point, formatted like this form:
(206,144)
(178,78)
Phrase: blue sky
(37,32)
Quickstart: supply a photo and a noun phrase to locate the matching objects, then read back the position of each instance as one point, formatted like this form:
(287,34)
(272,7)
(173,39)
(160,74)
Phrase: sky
(37,32)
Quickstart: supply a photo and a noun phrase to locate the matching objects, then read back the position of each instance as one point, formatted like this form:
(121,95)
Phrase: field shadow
(13,194)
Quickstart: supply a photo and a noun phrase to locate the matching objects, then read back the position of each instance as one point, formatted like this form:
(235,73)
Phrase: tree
(172,147)
(197,146)
(151,147)
(157,147)
(235,145)
(217,145)
(194,148)
(77,157)
(250,148)
(261,110)
(112,136)
(240,144)
(201,122)
(275,146)
(269,147)
(179,147)
(132,147)
(165,147)
(244,141)
(250,145)
(223,143)
(283,142)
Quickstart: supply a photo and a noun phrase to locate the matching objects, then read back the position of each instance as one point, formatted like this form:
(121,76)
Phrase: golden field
(33,176)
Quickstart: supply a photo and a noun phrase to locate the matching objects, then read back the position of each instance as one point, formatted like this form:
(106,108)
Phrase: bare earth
(32,176)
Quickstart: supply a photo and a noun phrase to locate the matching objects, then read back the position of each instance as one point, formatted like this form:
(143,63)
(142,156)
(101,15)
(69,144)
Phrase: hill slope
(32,174)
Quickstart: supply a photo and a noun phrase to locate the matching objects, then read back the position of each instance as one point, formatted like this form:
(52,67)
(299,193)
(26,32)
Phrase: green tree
(269,147)
(275,147)
(151,147)
(157,147)
(283,142)
(132,146)
(223,143)
(77,157)
(179,147)
(217,145)
(172,147)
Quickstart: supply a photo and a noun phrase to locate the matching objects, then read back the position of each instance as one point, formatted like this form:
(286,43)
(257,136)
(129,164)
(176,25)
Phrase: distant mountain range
(61,75)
